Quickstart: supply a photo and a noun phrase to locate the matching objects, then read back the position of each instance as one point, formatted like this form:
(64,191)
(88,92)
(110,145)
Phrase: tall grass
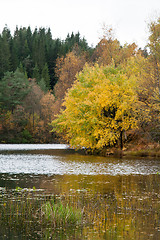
(116,214)
(27,210)
(58,215)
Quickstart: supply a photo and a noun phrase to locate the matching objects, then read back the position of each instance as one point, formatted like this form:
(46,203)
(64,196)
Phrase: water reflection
(75,164)
(118,207)
(120,198)
(78,183)
(10,147)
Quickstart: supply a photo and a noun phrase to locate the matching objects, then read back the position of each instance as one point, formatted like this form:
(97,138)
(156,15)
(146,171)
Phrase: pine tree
(13,56)
(36,73)
(4,51)
(45,76)
(13,90)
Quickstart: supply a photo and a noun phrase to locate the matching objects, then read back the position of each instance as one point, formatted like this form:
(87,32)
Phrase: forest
(54,90)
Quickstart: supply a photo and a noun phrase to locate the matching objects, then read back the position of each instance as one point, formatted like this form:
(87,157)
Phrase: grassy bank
(142,150)
(132,150)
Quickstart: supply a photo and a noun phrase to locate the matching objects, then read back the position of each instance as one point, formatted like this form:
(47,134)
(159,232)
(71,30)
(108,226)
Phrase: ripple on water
(50,164)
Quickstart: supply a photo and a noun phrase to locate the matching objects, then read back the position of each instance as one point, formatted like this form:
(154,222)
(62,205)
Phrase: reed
(59,215)
(25,210)
(83,214)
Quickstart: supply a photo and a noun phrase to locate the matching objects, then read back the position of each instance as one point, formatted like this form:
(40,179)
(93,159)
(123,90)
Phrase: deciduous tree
(154,46)
(99,107)
(66,70)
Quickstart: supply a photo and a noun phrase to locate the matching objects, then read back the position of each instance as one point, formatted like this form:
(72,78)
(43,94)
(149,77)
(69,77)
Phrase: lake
(119,197)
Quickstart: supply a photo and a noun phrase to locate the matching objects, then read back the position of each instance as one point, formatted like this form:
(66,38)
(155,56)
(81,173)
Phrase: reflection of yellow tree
(125,207)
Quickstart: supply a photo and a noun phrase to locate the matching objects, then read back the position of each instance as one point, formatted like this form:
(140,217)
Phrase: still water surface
(121,197)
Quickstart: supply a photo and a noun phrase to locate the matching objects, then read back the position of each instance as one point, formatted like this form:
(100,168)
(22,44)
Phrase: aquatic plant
(59,215)
(28,209)
(83,213)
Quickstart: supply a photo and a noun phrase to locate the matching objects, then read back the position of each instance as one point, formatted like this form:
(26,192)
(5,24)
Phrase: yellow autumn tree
(99,107)
(109,49)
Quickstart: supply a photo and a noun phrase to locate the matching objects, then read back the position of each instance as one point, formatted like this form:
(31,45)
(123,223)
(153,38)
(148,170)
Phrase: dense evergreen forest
(35,53)
(36,72)
(28,75)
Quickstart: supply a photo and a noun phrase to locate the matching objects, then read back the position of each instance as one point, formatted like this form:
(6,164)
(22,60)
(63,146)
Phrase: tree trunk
(121,140)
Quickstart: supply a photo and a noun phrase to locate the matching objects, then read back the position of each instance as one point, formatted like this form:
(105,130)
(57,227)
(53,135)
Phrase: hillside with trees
(29,63)
(35,52)
(107,96)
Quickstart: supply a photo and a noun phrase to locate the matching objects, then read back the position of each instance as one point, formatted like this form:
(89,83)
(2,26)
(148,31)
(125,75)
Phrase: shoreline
(150,151)
(153,153)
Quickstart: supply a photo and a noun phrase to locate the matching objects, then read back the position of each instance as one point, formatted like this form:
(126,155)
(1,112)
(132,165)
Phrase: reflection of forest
(117,206)
(102,184)
(114,207)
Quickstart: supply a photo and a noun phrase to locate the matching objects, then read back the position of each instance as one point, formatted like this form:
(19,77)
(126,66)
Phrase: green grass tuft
(58,215)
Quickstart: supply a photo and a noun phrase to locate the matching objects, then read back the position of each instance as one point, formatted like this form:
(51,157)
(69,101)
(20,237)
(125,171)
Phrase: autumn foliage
(101,105)
(107,96)
(29,120)
(66,70)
